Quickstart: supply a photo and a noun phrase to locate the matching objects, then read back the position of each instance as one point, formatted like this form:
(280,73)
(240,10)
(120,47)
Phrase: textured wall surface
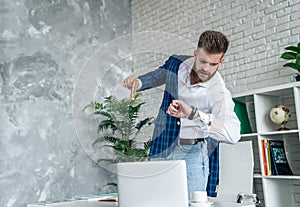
(44,46)
(258,30)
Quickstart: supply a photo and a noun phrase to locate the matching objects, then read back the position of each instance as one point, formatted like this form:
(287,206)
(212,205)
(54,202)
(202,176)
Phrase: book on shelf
(269,158)
(271,161)
(274,158)
(264,157)
(278,155)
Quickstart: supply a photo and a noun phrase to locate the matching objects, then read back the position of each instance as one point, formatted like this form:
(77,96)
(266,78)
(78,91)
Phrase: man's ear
(195,54)
(222,60)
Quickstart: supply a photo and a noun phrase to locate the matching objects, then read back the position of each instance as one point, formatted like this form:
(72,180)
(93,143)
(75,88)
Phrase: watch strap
(194,110)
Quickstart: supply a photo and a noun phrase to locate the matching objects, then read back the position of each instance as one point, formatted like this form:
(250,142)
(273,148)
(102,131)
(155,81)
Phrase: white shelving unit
(276,190)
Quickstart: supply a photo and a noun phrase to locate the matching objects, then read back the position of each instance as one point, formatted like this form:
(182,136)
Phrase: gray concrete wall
(44,50)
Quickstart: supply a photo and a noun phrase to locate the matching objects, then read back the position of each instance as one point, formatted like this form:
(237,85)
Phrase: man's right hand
(179,109)
(128,82)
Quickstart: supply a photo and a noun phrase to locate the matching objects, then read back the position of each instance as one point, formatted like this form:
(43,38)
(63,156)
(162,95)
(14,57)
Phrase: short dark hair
(213,42)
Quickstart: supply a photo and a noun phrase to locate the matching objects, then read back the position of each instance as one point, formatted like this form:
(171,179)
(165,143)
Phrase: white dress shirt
(215,107)
(217,118)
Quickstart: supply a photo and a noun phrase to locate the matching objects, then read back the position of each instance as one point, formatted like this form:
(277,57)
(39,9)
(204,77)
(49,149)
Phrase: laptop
(152,184)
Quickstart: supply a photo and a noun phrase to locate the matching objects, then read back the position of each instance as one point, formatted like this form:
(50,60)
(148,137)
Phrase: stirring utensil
(133,89)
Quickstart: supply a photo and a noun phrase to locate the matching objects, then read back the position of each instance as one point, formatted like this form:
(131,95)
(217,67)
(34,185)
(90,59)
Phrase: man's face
(206,64)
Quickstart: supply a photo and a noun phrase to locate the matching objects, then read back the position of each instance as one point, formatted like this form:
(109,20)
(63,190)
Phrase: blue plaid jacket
(167,128)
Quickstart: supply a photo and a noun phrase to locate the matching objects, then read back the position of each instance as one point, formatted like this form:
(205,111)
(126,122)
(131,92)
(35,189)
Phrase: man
(196,113)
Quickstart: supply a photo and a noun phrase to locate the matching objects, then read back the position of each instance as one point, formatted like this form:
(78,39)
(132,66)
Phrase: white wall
(258,31)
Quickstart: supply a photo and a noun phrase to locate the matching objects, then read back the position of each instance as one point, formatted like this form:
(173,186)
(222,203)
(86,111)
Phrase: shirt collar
(187,66)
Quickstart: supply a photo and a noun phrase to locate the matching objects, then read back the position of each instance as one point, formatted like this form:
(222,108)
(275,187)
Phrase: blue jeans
(197,163)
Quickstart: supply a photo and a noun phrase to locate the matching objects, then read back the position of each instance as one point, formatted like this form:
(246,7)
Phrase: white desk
(75,203)
(225,201)
(217,203)
(228,201)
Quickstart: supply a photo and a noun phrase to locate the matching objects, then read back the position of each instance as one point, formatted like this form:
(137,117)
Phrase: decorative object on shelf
(279,160)
(280,115)
(120,128)
(293,54)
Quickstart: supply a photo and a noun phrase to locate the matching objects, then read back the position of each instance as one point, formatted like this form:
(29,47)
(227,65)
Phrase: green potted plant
(120,127)
(293,54)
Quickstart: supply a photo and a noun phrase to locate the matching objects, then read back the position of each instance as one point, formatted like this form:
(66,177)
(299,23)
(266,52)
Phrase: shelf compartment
(265,102)
(278,192)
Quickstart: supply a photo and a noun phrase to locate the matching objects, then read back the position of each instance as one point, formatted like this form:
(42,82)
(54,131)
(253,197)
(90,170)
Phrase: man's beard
(195,75)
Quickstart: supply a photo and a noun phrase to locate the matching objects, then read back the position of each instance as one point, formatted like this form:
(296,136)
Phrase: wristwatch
(194,110)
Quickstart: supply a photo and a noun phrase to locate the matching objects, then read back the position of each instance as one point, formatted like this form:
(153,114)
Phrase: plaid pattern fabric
(213,178)
(167,128)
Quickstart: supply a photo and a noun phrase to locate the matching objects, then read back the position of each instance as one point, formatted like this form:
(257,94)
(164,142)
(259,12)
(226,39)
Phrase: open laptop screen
(152,184)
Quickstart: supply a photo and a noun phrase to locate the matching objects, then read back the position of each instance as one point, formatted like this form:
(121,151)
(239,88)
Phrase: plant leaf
(288,56)
(104,113)
(145,121)
(298,57)
(293,48)
(107,124)
(293,65)
(94,106)
(124,146)
(110,139)
(147,144)
(120,118)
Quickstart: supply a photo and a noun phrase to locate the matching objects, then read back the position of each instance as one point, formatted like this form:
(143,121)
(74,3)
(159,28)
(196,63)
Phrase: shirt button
(178,123)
